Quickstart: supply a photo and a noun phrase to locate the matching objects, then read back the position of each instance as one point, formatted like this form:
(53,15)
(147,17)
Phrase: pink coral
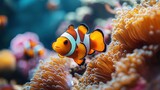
(17,43)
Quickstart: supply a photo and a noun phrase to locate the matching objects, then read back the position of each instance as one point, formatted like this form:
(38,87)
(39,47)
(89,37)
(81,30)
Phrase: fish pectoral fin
(60,56)
(83,28)
(82,51)
(91,51)
(79,61)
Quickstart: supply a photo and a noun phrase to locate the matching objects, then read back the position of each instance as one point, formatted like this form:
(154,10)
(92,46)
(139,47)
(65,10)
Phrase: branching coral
(52,74)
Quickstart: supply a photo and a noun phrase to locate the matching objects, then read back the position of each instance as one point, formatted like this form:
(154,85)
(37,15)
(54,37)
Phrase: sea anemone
(52,74)
(138,26)
(133,28)
(101,67)
(131,61)
(128,70)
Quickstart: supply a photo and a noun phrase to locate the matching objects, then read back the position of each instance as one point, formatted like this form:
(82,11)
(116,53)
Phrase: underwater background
(131,31)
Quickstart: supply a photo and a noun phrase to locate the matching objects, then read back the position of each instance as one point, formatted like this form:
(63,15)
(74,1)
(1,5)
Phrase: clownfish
(33,49)
(76,43)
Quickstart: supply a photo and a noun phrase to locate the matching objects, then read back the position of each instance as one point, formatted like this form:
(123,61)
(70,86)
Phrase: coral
(52,74)
(7,60)
(131,61)
(17,42)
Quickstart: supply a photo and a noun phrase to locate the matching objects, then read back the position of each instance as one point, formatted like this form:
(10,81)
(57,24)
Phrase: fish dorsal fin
(71,31)
(71,27)
(83,28)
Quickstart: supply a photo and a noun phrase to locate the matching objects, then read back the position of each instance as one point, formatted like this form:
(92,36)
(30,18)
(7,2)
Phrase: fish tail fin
(97,41)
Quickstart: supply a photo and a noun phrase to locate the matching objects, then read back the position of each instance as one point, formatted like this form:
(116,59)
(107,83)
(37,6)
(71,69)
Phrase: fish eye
(65,42)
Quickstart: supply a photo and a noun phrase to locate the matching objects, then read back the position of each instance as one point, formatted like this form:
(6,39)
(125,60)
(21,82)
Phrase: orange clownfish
(76,43)
(33,49)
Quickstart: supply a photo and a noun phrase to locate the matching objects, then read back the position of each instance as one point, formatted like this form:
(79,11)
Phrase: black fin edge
(85,26)
(82,62)
(70,25)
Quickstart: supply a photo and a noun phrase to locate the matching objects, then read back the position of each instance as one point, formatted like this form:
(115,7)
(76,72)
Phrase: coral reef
(131,61)
(52,74)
